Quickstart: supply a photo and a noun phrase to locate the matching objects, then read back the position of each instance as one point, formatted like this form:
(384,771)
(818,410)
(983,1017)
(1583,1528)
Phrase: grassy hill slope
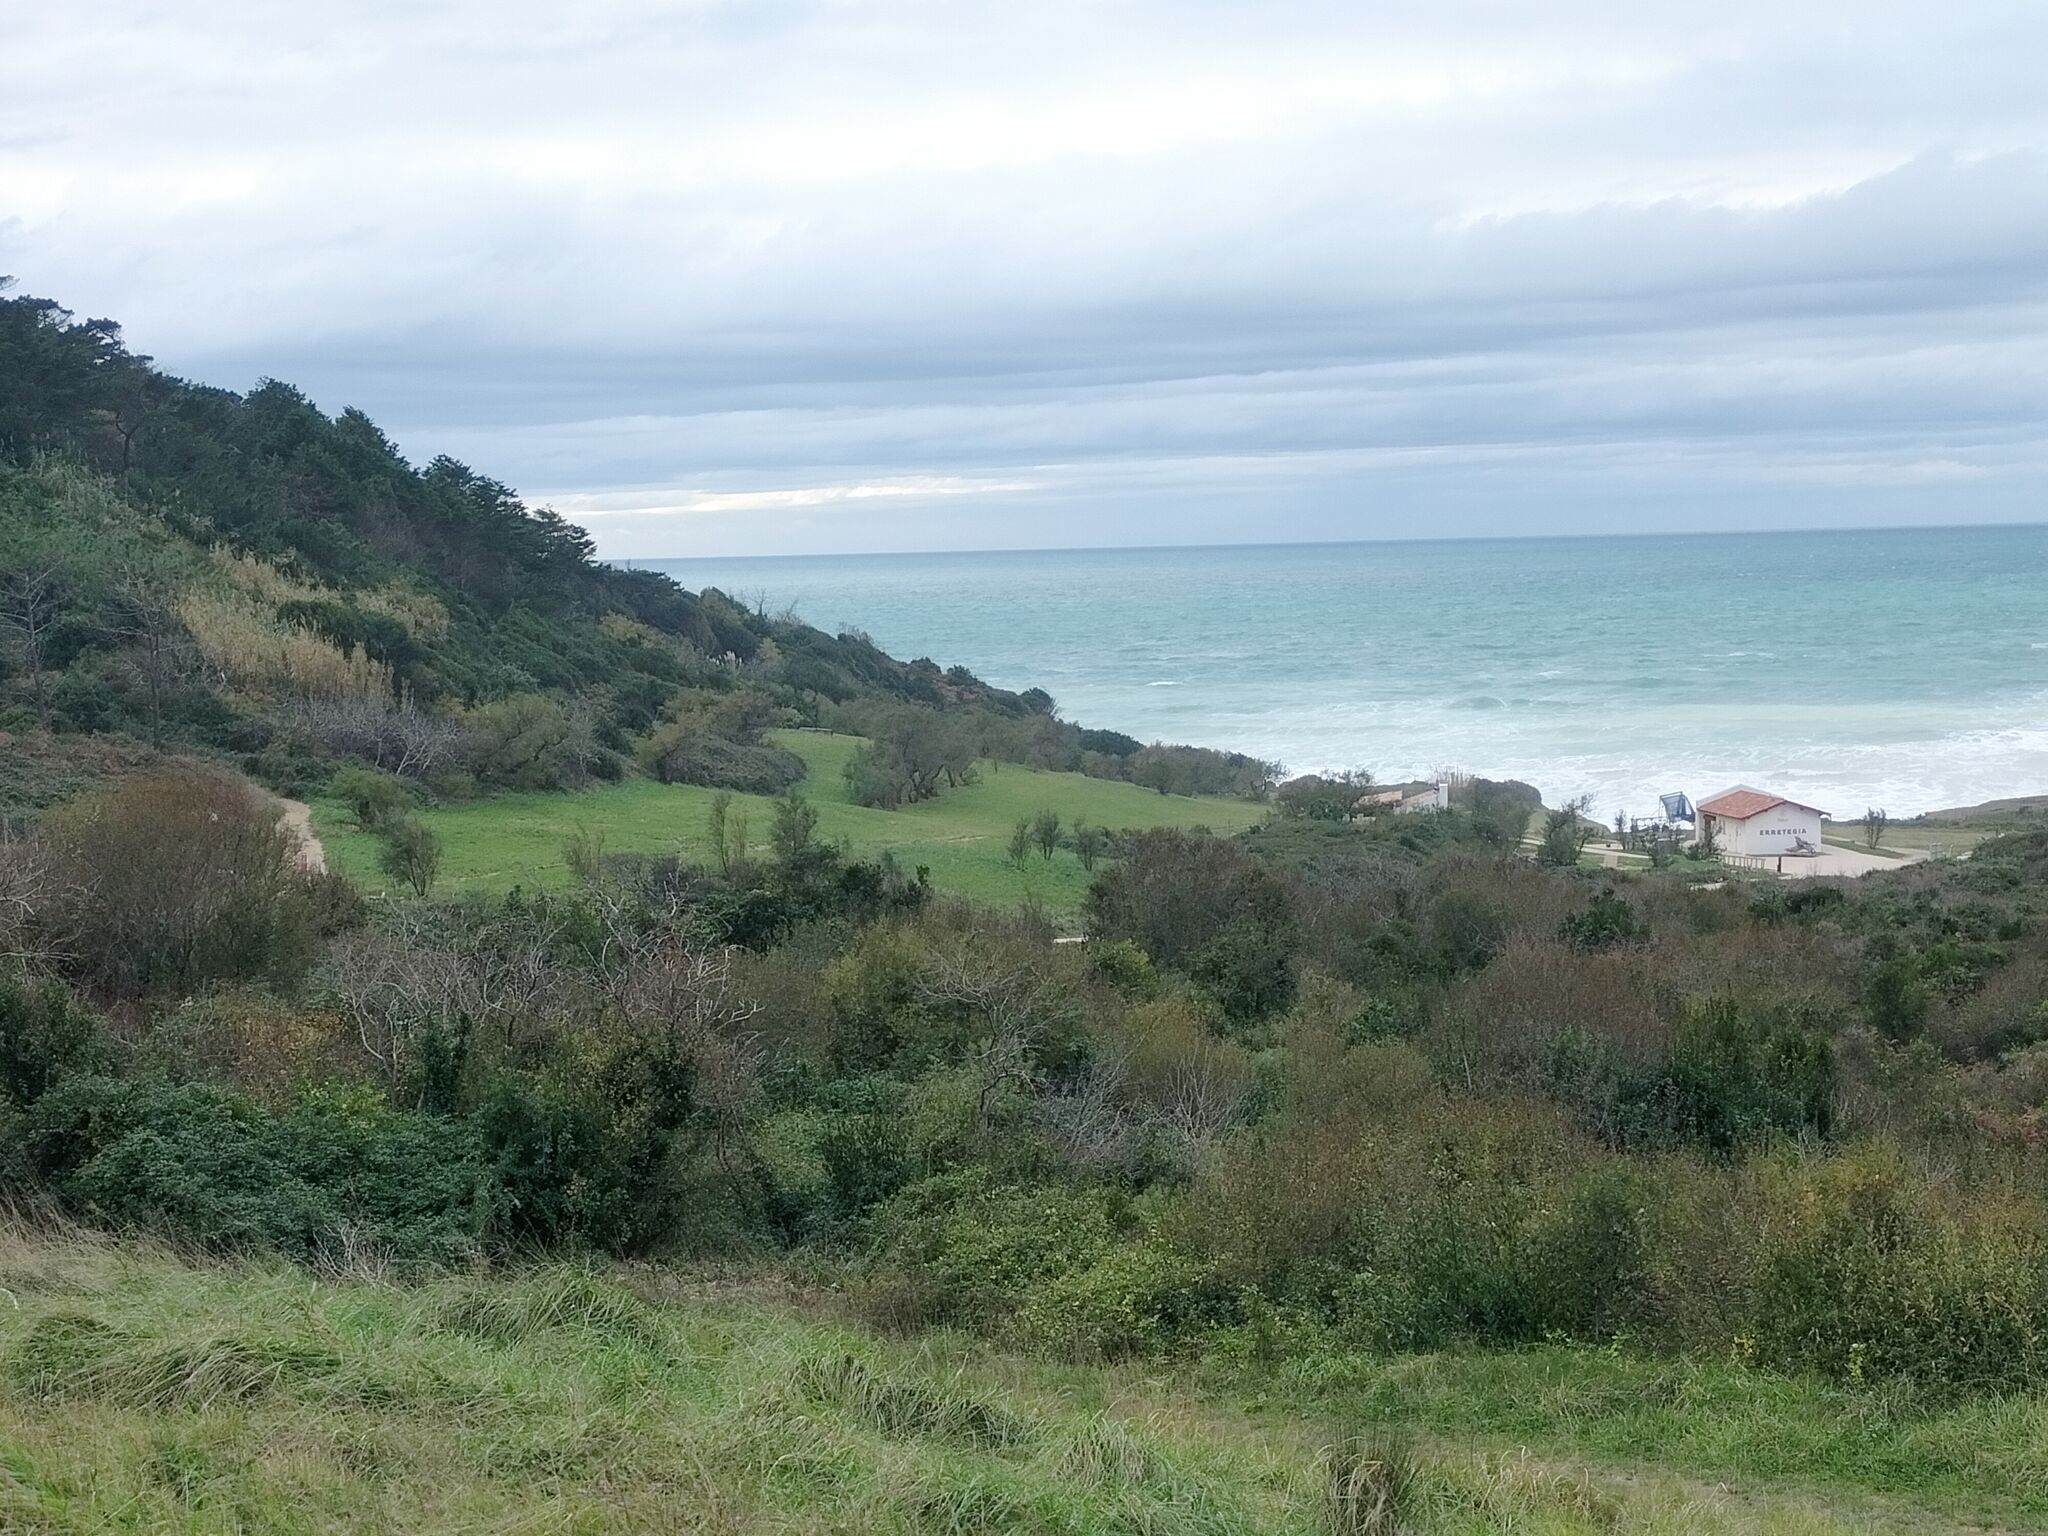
(141,1393)
(492,845)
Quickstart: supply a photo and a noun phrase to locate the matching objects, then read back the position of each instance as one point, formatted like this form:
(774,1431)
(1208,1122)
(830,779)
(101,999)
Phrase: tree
(912,754)
(1500,812)
(1566,831)
(399,737)
(29,604)
(796,827)
(1045,832)
(1174,893)
(529,741)
(412,853)
(1020,841)
(725,827)
(1090,843)
(145,619)
(1009,1016)
(1155,769)
(1874,823)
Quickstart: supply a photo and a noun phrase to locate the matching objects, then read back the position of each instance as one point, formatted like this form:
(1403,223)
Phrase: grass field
(1911,836)
(962,837)
(144,1393)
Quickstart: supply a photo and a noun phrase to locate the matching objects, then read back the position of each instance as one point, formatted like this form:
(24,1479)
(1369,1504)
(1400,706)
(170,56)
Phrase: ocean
(1906,669)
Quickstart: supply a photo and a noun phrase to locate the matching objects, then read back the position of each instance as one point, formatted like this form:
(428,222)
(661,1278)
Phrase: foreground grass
(141,1393)
(962,837)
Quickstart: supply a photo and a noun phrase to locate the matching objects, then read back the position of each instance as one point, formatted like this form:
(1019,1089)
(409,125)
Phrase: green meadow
(141,1392)
(962,837)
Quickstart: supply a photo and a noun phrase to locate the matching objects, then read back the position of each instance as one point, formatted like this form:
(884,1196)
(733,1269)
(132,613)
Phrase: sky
(721,278)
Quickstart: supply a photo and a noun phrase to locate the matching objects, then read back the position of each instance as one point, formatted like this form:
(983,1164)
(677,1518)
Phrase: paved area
(1839,863)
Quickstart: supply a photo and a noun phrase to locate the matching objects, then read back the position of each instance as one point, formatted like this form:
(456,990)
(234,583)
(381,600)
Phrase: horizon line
(1252,544)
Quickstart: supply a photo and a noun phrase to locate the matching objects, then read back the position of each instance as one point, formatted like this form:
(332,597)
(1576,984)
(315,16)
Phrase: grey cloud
(1160,256)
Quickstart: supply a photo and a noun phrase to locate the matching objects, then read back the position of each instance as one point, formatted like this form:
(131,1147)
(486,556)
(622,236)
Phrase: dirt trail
(298,820)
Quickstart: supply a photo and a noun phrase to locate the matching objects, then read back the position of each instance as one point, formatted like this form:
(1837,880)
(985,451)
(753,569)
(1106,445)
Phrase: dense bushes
(912,754)
(1321,1089)
(759,768)
(333,1176)
(715,739)
(45,1035)
(530,741)
(176,879)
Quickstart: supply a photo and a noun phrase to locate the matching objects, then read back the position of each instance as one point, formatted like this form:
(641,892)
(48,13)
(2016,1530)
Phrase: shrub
(45,1037)
(1590,1256)
(1868,1269)
(1138,1298)
(397,737)
(679,754)
(588,1160)
(204,1164)
(1125,967)
(1322,797)
(1174,893)
(529,741)
(1739,1074)
(1607,923)
(1246,971)
(248,1039)
(1736,1074)
(175,879)
(913,754)
(370,794)
(976,1249)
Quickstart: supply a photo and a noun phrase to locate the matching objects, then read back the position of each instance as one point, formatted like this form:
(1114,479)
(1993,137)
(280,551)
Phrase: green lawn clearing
(962,837)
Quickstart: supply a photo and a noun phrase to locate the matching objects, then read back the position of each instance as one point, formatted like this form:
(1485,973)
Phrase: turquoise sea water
(1902,668)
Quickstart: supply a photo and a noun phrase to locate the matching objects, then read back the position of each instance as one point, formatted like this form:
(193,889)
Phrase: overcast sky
(760,278)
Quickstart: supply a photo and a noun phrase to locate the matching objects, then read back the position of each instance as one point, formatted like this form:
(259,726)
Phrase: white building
(1428,797)
(1758,824)
(1431,797)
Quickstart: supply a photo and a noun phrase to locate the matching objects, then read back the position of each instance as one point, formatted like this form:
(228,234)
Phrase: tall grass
(142,1392)
(243,639)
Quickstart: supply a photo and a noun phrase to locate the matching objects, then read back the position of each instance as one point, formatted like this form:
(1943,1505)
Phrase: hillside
(140,1393)
(246,579)
(665,940)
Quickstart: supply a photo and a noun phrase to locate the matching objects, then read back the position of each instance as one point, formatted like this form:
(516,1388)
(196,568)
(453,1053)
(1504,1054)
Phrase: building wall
(1779,830)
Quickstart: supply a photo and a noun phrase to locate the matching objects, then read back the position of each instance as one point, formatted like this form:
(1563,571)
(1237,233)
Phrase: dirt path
(298,820)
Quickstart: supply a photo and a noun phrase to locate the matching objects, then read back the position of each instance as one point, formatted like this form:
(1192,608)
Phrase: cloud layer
(749,277)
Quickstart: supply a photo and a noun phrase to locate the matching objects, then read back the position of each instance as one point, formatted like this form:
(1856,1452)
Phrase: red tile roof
(1741,804)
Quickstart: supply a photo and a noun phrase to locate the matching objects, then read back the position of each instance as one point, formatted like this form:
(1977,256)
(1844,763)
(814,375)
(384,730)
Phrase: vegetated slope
(244,577)
(139,1393)
(962,838)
